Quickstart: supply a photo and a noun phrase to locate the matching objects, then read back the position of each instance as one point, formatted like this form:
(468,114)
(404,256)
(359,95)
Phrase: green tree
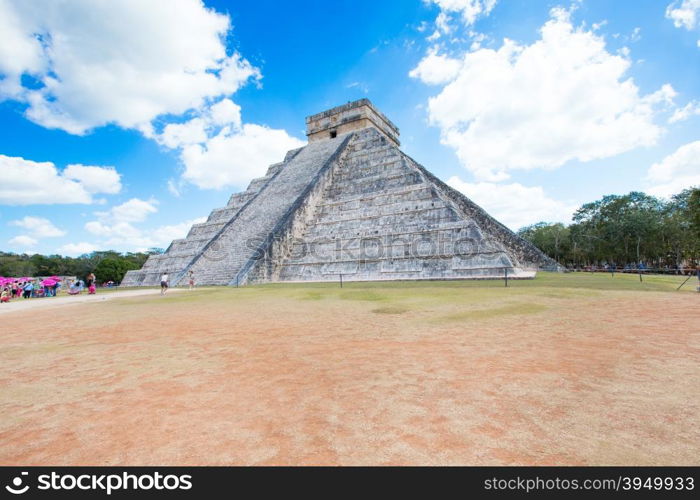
(113,269)
(620,229)
(552,239)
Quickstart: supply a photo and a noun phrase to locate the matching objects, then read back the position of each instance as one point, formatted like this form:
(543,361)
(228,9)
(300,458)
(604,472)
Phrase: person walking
(191,277)
(164,279)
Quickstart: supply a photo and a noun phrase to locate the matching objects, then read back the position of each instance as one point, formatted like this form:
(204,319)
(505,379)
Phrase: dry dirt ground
(561,370)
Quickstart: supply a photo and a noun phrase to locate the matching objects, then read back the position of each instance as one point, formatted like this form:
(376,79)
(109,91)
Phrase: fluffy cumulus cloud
(95,179)
(234,156)
(562,98)
(684,13)
(678,171)
(161,67)
(513,204)
(125,62)
(133,210)
(127,236)
(26,182)
(75,249)
(435,69)
(35,229)
(23,241)
(119,228)
(218,150)
(38,227)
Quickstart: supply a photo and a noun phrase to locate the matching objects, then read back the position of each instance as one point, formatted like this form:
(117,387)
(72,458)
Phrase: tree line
(633,230)
(107,265)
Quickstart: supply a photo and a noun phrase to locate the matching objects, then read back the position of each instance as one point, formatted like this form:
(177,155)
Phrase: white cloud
(564,97)
(678,171)
(38,227)
(233,157)
(513,204)
(26,182)
(133,210)
(690,109)
(126,236)
(225,112)
(124,62)
(118,228)
(95,179)
(469,10)
(75,249)
(684,14)
(23,241)
(435,68)
(159,67)
(218,150)
(197,130)
(120,218)
(181,134)
(162,236)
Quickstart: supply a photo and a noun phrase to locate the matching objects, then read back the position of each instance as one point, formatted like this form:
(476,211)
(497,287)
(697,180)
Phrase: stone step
(412,191)
(457,227)
(331,213)
(450,267)
(375,184)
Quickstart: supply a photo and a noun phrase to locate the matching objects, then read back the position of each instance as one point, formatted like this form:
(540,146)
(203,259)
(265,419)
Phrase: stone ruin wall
(350,117)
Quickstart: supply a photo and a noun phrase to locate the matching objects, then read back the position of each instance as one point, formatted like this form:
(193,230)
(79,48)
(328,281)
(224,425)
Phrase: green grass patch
(363,295)
(494,312)
(312,296)
(390,310)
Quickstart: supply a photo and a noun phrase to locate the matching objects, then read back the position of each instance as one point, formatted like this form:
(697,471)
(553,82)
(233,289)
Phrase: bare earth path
(414,374)
(24,305)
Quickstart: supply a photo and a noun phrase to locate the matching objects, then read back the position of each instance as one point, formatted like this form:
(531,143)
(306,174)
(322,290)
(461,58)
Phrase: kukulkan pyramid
(351,203)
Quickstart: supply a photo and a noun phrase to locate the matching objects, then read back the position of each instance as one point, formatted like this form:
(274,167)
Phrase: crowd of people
(28,287)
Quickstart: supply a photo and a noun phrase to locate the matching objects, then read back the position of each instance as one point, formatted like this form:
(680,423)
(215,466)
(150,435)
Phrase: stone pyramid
(349,203)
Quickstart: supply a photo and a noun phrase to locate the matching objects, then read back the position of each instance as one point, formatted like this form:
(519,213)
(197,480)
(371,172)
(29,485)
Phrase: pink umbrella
(49,282)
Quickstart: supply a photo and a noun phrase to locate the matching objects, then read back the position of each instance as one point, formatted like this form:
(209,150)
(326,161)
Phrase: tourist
(28,289)
(164,283)
(191,276)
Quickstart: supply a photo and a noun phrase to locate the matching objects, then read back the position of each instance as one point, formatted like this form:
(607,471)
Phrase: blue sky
(125,122)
